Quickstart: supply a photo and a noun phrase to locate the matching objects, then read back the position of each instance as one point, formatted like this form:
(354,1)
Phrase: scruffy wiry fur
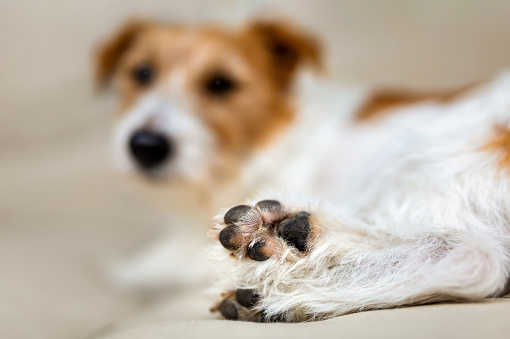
(406,209)
(421,214)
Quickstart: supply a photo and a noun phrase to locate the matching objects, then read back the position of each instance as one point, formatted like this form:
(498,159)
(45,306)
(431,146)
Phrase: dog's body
(417,210)
(367,211)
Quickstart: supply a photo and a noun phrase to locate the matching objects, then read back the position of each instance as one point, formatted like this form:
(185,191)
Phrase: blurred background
(64,212)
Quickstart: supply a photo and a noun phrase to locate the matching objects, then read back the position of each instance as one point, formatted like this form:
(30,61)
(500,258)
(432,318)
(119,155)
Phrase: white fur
(410,209)
(415,209)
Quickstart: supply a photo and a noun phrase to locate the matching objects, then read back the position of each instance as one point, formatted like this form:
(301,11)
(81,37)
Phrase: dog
(372,199)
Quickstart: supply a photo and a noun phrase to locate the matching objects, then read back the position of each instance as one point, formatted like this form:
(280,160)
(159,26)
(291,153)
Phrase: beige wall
(45,45)
(371,40)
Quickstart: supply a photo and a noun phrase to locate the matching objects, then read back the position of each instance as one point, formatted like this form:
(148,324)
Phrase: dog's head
(195,101)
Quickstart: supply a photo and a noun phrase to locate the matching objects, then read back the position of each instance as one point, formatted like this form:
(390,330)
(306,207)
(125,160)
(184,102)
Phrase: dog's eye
(219,84)
(143,74)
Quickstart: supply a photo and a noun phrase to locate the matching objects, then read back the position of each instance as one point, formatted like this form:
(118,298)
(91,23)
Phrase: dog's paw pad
(247,297)
(236,214)
(271,211)
(228,309)
(269,205)
(240,305)
(296,230)
(263,249)
(263,231)
(231,238)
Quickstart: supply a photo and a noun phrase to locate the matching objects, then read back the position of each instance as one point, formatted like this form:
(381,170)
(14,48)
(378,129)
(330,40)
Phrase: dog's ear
(108,54)
(288,47)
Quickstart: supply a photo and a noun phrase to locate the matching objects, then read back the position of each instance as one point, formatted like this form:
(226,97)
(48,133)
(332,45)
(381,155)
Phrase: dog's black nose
(149,149)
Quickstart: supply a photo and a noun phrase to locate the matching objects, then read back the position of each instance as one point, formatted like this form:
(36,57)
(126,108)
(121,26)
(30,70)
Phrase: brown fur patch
(384,102)
(500,143)
(288,49)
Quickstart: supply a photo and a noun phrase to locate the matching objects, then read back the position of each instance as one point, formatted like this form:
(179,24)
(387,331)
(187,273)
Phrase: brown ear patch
(109,53)
(384,102)
(288,49)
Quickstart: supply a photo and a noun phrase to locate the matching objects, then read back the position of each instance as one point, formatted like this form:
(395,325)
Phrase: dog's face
(195,101)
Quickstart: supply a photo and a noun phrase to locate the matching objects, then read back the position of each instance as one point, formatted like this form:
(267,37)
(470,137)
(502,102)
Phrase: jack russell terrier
(375,199)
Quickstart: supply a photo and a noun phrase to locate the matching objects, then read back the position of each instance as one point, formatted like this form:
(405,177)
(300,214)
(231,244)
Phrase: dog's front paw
(265,230)
(271,244)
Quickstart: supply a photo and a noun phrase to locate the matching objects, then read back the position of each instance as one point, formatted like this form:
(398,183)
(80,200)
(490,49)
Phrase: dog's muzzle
(149,149)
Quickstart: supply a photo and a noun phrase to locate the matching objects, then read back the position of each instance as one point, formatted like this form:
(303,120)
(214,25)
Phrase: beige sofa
(65,216)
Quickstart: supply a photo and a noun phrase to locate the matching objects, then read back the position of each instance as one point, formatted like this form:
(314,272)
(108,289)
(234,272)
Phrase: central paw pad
(295,230)
(263,231)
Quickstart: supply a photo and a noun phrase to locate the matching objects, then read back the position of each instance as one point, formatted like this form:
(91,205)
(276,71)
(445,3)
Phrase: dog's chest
(321,150)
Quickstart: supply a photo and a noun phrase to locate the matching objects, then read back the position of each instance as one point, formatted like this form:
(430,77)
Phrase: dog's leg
(298,261)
